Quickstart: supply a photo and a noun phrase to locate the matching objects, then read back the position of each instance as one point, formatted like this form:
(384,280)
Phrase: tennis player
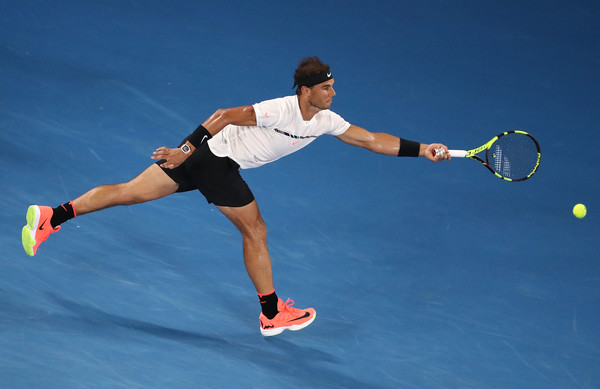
(209,160)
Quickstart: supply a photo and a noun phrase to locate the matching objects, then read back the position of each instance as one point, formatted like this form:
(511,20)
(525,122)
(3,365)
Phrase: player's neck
(307,109)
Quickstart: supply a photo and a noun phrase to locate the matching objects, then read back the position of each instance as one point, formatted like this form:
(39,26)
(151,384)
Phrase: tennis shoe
(288,318)
(37,229)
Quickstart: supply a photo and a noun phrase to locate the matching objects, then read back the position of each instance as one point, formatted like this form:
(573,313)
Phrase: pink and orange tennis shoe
(288,318)
(38,228)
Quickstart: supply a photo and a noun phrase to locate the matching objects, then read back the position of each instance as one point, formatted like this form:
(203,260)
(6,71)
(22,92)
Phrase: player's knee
(130,201)
(134,198)
(129,196)
(257,231)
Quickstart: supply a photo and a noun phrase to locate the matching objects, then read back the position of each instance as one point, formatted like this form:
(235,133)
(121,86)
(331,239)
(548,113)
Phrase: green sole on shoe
(26,238)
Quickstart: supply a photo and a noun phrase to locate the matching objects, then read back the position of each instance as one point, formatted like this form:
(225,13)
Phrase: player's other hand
(172,157)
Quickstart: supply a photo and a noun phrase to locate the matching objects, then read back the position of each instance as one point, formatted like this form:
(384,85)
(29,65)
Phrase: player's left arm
(387,144)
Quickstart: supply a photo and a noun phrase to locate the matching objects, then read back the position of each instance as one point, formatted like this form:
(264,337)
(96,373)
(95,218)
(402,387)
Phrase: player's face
(322,94)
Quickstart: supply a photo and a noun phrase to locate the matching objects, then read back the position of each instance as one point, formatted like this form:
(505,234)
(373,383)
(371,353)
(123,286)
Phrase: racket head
(513,155)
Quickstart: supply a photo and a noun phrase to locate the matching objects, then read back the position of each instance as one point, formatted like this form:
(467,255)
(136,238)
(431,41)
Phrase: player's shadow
(275,354)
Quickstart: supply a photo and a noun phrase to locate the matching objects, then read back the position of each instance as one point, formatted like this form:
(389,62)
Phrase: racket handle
(458,153)
(453,153)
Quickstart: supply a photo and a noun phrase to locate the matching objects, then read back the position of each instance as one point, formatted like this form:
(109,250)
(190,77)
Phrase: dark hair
(309,66)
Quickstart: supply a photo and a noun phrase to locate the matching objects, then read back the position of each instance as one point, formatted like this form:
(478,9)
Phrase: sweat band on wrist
(408,148)
(199,136)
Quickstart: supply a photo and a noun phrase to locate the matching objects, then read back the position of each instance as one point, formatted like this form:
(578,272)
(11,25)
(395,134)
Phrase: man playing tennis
(209,160)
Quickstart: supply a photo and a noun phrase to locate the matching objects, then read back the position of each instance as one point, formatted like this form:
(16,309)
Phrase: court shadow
(96,317)
(299,363)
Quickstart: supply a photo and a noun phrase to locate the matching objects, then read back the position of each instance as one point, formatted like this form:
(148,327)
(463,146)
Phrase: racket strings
(514,156)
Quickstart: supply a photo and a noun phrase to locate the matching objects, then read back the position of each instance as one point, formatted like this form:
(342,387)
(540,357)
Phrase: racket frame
(488,145)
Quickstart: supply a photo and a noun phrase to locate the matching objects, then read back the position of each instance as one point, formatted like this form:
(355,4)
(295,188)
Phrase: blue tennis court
(423,275)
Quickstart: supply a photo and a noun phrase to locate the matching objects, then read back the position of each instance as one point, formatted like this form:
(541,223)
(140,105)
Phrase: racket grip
(458,153)
(453,153)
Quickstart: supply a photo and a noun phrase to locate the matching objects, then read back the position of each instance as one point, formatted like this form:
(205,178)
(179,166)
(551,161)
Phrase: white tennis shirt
(280,131)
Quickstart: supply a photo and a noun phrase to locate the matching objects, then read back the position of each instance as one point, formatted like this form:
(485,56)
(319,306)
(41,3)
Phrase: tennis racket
(511,156)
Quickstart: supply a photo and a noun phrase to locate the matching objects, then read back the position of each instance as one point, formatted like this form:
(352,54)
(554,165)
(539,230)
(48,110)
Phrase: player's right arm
(239,116)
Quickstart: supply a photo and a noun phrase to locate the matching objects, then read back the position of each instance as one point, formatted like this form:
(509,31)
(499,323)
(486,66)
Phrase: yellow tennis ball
(579,211)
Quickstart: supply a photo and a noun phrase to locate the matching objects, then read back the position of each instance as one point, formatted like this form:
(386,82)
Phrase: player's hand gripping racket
(512,155)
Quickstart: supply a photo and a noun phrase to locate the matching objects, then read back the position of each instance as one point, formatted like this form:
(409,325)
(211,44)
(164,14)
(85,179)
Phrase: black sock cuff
(268,303)
(62,213)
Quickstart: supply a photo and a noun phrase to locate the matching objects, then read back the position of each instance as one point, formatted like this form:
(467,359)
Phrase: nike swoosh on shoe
(306,314)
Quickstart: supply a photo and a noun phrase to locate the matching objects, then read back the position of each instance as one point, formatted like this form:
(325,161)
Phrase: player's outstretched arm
(387,144)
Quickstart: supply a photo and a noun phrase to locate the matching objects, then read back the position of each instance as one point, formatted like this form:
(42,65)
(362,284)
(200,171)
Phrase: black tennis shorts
(217,178)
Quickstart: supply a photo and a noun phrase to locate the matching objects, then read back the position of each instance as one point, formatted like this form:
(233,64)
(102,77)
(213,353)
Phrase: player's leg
(151,184)
(283,316)
(219,180)
(248,220)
